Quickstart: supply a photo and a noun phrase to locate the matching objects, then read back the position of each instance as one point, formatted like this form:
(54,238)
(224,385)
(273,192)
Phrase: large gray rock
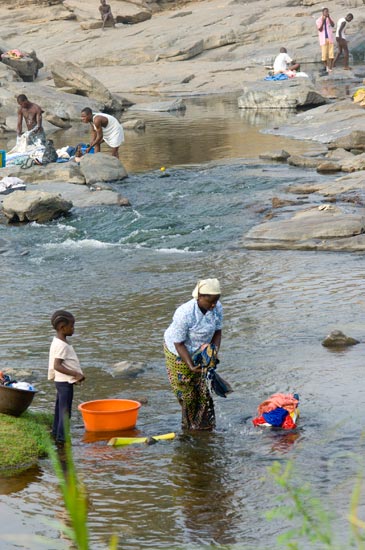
(160,106)
(26,67)
(279,156)
(64,171)
(101,167)
(285,94)
(305,228)
(8,74)
(65,106)
(325,124)
(83,196)
(39,206)
(339,186)
(353,140)
(69,74)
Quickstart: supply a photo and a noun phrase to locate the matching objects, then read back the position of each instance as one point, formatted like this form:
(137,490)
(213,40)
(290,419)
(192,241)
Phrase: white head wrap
(207,286)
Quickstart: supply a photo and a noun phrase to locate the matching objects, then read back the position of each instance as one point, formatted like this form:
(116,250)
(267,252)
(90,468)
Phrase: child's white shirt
(62,350)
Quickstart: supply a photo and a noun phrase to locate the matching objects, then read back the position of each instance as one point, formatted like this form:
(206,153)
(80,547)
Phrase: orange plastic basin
(109,415)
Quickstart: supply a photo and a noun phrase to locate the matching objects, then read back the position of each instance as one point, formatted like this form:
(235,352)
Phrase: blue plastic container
(83,150)
(2,158)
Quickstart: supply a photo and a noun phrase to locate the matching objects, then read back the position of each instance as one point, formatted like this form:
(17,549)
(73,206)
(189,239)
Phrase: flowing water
(122,272)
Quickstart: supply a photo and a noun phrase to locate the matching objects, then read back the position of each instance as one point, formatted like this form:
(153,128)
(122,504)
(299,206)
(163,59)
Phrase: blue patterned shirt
(191,327)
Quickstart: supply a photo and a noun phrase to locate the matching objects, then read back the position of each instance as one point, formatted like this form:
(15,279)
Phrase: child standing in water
(64,368)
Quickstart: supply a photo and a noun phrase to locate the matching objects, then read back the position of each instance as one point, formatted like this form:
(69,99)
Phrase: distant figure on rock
(325,24)
(341,40)
(32,114)
(106,13)
(284,64)
(103,128)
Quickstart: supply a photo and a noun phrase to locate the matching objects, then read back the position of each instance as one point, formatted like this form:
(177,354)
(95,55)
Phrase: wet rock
(102,167)
(129,369)
(339,154)
(63,171)
(160,106)
(353,140)
(290,94)
(280,156)
(325,125)
(143,400)
(134,124)
(305,162)
(328,166)
(325,227)
(84,196)
(276,202)
(336,339)
(39,206)
(357,162)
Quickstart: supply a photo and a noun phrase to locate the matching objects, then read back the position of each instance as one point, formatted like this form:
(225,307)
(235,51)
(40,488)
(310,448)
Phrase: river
(122,272)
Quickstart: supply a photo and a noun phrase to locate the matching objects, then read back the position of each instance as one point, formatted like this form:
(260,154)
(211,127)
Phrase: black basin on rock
(14,401)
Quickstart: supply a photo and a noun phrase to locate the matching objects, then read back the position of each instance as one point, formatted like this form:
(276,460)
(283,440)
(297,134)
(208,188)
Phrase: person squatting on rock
(342,42)
(106,13)
(64,368)
(283,63)
(32,115)
(103,128)
(325,23)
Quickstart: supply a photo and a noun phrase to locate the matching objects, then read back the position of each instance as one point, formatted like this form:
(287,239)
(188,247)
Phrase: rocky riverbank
(172,49)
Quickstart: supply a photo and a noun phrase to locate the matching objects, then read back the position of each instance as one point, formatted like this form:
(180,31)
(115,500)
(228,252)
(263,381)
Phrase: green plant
(73,494)
(314,523)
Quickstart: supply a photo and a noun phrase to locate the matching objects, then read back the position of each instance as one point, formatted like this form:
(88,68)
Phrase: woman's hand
(185,356)
(195,369)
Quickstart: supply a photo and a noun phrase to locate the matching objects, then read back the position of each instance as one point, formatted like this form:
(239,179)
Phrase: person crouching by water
(103,128)
(32,114)
(285,64)
(195,323)
(64,369)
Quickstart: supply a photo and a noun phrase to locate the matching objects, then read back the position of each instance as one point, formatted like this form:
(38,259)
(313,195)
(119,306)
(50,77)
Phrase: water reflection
(209,129)
(19,481)
(199,477)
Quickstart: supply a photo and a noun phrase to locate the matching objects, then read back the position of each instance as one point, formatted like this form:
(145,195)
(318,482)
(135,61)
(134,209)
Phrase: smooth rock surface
(83,196)
(306,227)
(160,106)
(101,167)
(286,94)
(30,206)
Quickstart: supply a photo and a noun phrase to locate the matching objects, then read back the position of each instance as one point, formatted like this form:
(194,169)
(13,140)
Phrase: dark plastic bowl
(14,401)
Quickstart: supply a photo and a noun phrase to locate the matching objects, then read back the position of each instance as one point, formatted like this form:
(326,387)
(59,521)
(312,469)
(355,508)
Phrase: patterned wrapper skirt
(192,393)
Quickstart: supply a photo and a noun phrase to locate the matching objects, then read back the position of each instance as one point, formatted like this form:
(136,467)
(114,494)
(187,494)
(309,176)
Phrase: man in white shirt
(283,63)
(342,41)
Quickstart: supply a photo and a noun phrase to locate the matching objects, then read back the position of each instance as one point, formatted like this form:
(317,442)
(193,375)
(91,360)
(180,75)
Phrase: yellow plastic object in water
(117,441)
